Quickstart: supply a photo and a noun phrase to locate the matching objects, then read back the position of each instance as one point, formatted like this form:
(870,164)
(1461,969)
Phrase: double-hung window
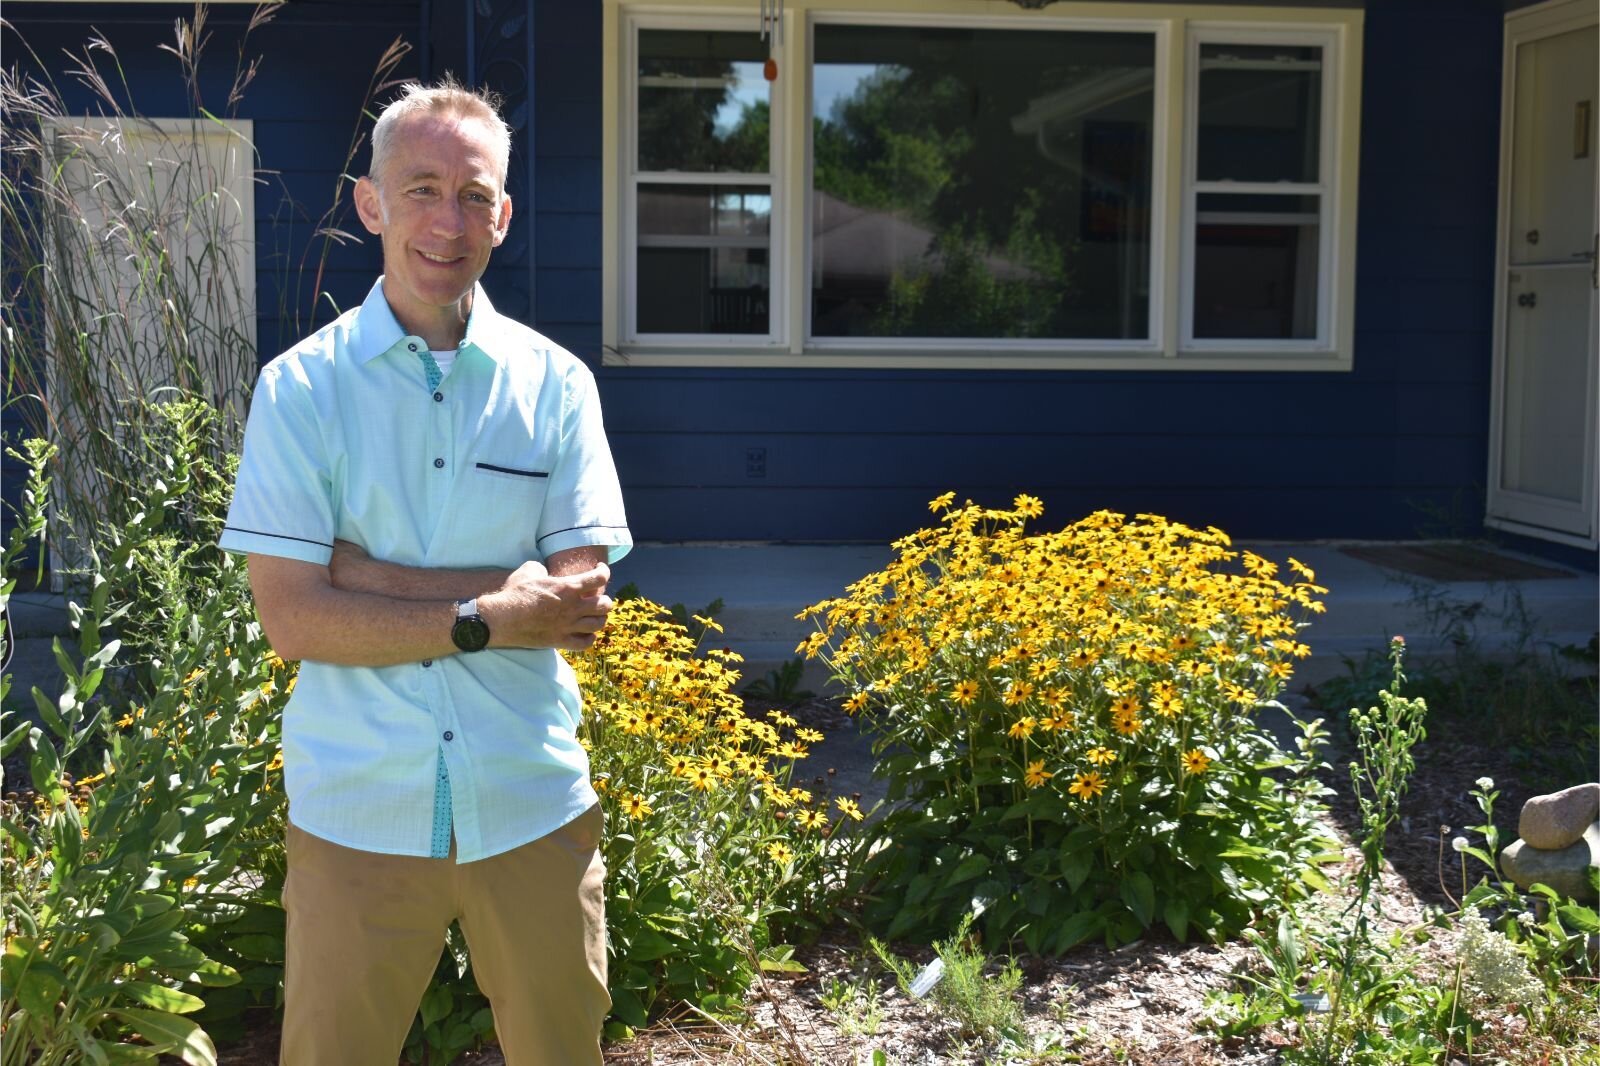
(1127,185)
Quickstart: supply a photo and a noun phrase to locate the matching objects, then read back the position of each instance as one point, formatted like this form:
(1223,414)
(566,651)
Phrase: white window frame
(1170,344)
(1325,188)
(777,318)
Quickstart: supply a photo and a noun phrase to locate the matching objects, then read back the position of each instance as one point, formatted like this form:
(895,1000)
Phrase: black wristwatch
(471,632)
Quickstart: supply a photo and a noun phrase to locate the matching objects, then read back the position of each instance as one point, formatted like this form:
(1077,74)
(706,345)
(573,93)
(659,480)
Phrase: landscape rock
(1558,820)
(1565,870)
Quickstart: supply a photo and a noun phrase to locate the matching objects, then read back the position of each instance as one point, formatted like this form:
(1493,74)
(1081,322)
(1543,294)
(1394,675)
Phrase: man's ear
(367,205)
(502,225)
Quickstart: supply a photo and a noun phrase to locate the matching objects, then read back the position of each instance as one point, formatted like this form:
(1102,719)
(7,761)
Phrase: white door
(1542,467)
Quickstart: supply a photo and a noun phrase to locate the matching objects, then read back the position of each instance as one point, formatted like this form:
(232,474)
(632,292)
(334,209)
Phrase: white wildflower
(1527,920)
(1459,843)
(1485,783)
(1493,970)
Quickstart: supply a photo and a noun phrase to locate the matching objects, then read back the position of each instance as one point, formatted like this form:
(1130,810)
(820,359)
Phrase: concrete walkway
(763,586)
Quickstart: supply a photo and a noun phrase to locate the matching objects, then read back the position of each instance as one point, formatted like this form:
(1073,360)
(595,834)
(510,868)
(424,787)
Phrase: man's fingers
(593,581)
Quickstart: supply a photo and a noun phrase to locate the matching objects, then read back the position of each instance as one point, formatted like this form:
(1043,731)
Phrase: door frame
(1548,19)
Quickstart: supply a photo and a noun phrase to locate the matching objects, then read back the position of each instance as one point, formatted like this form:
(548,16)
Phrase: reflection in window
(1255,267)
(703,262)
(1260,113)
(980,183)
(703,103)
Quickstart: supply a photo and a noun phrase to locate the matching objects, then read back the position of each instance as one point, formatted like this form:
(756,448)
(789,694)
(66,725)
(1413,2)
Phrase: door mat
(1452,562)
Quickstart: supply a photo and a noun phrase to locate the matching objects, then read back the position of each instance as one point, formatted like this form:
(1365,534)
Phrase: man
(429,508)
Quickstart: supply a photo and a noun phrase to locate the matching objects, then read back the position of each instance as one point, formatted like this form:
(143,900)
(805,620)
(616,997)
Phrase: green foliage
(696,623)
(1353,997)
(1067,725)
(1527,700)
(454,1016)
(714,858)
(781,685)
(149,833)
(983,1004)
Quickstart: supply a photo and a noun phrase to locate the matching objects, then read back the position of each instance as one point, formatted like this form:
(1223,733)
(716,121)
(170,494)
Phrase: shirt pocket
(501,506)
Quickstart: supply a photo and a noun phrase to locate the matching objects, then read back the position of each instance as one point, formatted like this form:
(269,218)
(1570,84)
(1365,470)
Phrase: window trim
(1167,348)
(1325,188)
(632,177)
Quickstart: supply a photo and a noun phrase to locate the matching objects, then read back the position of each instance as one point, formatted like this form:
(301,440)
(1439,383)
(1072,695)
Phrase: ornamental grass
(1068,725)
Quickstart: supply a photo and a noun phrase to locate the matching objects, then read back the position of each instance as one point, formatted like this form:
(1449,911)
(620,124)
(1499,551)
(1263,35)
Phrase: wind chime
(771,35)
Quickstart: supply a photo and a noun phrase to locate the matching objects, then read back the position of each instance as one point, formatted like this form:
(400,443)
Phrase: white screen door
(1543,444)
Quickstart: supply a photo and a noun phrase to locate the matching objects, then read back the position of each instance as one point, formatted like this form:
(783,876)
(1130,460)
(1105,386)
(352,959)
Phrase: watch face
(470,634)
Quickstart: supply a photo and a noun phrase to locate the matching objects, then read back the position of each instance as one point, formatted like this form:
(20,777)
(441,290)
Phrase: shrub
(139,870)
(713,853)
(1067,724)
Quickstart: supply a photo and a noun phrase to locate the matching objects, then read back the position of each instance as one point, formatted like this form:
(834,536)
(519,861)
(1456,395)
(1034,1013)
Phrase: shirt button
(411,347)
(449,735)
(438,397)
(438,464)
(427,662)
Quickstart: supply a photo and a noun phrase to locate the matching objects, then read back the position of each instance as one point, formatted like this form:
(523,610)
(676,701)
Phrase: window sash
(1329,156)
(632,241)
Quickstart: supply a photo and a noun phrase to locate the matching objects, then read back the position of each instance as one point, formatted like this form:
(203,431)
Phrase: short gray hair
(448,97)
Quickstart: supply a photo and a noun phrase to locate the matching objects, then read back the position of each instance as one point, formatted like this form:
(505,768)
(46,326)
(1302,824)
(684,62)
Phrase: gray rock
(1558,820)
(1563,870)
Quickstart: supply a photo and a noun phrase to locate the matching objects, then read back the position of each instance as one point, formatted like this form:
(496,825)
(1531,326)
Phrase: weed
(781,685)
(981,1004)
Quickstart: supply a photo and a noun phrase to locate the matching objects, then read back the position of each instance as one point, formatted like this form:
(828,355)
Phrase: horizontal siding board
(882,513)
(1155,462)
(1164,405)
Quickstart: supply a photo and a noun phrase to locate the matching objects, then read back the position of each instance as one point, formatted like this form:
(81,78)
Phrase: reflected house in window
(856,251)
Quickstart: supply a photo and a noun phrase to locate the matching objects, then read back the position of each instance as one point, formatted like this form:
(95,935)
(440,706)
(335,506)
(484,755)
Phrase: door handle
(1528,299)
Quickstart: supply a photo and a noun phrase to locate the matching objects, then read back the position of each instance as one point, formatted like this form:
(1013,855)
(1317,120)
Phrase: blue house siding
(1395,448)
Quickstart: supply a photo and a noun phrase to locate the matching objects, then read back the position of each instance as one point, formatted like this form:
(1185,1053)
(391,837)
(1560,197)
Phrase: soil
(1142,1003)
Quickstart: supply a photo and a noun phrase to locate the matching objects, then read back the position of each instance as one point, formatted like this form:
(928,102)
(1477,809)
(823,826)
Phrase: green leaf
(127,1054)
(647,944)
(161,997)
(172,1034)
(1139,894)
(436,1003)
(40,991)
(1075,867)
(967,869)
(1579,918)
(1176,913)
(14,739)
(1076,929)
(626,1005)
(257,947)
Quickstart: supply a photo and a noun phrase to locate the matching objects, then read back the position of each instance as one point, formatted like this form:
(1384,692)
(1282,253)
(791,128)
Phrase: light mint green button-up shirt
(505,460)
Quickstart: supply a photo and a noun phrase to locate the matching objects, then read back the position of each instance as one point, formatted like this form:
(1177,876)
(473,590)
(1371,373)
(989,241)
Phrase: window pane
(980,183)
(1255,266)
(703,262)
(703,103)
(1260,112)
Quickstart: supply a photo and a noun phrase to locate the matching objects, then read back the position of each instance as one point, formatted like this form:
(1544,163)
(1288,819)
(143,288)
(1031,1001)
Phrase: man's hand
(535,610)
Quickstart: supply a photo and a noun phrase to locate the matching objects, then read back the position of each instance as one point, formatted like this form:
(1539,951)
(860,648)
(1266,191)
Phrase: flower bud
(1459,843)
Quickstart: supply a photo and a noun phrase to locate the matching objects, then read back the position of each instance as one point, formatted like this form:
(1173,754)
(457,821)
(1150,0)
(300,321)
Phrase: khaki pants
(365,932)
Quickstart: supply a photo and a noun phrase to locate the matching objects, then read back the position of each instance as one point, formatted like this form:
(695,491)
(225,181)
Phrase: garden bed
(1145,1002)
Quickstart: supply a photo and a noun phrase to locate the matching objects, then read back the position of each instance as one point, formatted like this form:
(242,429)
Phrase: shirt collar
(377,331)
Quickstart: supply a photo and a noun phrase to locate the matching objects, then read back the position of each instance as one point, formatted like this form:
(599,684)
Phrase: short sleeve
(583,506)
(283,497)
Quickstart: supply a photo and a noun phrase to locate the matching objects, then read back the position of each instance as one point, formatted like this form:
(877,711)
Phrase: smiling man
(429,508)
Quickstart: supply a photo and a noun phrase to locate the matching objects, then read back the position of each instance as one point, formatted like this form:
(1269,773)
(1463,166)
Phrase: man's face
(440,208)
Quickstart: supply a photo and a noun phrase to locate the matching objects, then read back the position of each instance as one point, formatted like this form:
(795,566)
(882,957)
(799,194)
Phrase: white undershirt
(444,359)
